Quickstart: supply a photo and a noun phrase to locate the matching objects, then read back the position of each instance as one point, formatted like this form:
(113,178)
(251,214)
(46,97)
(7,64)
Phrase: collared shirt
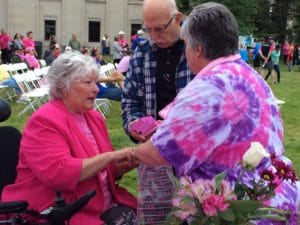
(140,85)
(167,61)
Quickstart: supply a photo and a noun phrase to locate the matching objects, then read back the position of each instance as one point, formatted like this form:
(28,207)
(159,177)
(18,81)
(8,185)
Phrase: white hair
(67,68)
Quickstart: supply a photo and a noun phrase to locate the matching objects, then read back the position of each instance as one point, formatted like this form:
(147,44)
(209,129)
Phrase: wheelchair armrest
(13,207)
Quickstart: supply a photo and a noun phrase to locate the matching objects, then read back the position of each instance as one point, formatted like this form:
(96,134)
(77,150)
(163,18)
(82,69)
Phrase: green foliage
(259,17)
(296,24)
(218,181)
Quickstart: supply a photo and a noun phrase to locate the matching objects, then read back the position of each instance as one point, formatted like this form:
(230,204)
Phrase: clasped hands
(126,158)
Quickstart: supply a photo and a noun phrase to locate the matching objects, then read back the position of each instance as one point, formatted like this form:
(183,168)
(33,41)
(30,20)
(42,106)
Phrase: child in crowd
(274,64)
(30,59)
(96,54)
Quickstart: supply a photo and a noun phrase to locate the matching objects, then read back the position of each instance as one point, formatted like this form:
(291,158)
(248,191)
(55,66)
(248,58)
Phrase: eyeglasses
(158,29)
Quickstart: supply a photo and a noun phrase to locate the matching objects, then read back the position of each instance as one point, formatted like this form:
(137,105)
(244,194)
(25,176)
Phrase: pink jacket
(32,62)
(51,153)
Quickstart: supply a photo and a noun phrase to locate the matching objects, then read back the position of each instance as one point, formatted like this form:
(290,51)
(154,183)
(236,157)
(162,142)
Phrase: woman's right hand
(92,166)
(124,155)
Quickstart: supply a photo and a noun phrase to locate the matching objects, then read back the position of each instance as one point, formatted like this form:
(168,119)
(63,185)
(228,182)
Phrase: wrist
(134,152)
(110,156)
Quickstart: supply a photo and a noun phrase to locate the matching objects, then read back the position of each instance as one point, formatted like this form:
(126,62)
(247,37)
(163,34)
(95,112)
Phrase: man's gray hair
(67,68)
(214,27)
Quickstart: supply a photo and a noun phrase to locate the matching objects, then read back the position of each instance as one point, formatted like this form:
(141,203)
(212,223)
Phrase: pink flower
(185,181)
(182,214)
(186,208)
(214,203)
(202,189)
(226,191)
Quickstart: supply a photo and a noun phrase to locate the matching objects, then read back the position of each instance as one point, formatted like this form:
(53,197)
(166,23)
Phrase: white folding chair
(19,68)
(42,63)
(41,72)
(31,90)
(102,105)
(107,69)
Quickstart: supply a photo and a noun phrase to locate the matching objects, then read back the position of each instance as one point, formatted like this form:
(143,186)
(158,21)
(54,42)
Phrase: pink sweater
(51,153)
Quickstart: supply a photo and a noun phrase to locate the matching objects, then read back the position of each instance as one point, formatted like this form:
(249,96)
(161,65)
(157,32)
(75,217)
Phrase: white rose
(254,155)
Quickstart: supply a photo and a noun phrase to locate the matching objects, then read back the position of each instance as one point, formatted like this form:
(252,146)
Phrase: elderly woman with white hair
(66,146)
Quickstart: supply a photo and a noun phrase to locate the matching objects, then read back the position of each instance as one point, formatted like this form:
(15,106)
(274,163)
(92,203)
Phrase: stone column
(73,20)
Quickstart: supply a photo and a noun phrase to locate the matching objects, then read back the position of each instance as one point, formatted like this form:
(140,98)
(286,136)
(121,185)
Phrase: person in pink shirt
(285,51)
(122,40)
(5,45)
(29,41)
(66,146)
(30,59)
(124,63)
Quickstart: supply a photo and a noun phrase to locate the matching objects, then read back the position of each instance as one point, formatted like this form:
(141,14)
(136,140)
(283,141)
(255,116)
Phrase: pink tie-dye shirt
(214,119)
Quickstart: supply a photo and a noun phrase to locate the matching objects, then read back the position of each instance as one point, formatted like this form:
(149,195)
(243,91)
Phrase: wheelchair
(17,212)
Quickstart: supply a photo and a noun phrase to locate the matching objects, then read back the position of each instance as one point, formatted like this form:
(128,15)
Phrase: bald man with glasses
(159,30)
(158,70)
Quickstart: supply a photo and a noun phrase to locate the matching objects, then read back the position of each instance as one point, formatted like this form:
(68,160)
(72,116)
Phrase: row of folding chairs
(14,68)
(31,83)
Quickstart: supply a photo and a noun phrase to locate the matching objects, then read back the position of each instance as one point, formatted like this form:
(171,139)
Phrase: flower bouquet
(216,202)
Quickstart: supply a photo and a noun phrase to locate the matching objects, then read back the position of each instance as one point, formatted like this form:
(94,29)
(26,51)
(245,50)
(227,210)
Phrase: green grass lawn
(288,90)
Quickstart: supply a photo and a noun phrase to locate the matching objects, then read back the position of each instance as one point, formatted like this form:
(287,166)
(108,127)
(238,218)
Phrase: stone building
(89,19)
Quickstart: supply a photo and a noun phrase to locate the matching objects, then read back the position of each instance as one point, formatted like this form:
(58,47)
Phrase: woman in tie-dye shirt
(212,122)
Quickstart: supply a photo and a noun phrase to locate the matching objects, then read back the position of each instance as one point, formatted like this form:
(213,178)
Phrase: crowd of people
(267,54)
(198,106)
(22,49)
(18,49)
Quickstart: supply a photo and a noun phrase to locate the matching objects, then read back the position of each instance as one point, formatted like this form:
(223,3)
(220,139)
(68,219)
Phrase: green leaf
(240,190)
(218,180)
(215,221)
(227,215)
(244,206)
(272,217)
(196,221)
(172,219)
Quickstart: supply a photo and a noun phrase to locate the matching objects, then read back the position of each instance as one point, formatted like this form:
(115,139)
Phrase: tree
(296,21)
(279,15)
(259,17)
(244,11)
(262,21)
